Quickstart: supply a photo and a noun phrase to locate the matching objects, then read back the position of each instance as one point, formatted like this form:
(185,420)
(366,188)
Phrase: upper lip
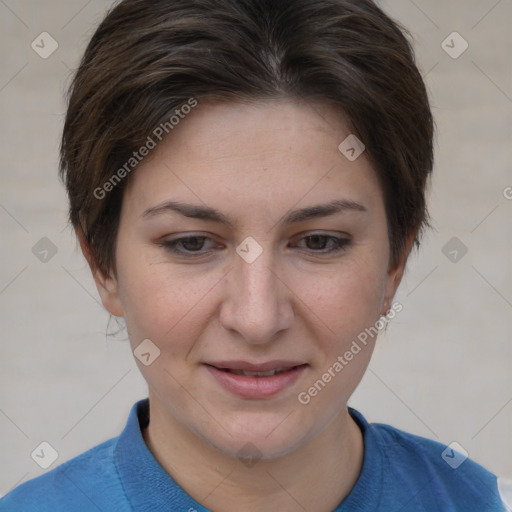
(256,367)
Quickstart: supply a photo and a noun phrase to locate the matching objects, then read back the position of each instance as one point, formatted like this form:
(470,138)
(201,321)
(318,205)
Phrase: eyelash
(340,244)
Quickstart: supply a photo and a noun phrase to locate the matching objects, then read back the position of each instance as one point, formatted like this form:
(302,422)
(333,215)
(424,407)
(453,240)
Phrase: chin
(262,440)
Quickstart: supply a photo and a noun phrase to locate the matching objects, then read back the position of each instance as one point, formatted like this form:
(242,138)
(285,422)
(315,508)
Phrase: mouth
(249,380)
(256,374)
(266,369)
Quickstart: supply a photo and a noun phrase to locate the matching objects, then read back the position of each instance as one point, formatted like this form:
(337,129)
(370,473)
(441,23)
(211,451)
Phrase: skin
(254,163)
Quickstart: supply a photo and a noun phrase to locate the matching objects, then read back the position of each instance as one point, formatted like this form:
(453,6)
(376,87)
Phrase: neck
(317,476)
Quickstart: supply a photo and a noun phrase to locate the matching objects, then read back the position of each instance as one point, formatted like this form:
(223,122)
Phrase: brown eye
(316,242)
(325,244)
(191,245)
(194,243)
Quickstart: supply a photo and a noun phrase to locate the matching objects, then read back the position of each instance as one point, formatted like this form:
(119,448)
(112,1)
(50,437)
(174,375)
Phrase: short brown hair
(147,59)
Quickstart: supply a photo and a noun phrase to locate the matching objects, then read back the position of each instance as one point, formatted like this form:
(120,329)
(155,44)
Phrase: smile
(252,381)
(255,374)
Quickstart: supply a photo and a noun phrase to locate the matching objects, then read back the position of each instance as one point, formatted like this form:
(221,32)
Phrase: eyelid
(320,232)
(171,244)
(342,241)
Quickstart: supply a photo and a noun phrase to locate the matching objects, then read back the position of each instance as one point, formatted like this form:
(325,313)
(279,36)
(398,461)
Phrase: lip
(256,367)
(254,387)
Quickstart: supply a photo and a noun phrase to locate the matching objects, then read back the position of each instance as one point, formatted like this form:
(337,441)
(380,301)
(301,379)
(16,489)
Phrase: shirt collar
(150,488)
(147,485)
(365,495)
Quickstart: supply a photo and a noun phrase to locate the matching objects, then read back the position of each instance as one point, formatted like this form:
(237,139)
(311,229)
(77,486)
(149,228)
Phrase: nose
(258,304)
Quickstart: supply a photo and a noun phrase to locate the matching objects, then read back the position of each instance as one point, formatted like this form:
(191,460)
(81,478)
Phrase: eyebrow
(211,214)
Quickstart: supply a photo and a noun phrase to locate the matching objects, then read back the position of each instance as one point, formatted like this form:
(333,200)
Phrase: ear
(396,273)
(107,286)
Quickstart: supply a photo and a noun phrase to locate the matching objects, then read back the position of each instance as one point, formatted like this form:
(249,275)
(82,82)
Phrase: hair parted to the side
(147,59)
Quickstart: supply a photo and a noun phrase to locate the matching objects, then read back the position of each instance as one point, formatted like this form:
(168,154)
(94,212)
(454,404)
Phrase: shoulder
(86,482)
(428,471)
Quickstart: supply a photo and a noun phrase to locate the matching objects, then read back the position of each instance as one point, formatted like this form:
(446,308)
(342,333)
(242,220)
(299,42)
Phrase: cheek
(162,304)
(344,308)
(345,299)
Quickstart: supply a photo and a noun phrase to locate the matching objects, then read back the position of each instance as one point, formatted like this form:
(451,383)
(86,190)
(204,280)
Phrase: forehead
(260,155)
(228,130)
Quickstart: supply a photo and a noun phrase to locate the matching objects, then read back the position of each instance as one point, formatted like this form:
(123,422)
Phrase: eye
(194,245)
(319,243)
(187,245)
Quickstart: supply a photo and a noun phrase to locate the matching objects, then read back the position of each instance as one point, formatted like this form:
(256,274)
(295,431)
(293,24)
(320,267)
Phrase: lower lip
(256,387)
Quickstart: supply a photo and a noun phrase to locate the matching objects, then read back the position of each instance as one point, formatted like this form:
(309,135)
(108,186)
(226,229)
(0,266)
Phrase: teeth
(257,374)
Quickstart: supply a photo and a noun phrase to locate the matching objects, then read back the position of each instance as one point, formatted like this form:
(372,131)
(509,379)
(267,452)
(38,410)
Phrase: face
(249,243)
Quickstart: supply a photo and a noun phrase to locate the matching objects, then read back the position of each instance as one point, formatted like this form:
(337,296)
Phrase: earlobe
(108,290)
(106,285)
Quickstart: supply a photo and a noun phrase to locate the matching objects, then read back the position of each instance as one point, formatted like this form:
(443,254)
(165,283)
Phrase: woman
(247,179)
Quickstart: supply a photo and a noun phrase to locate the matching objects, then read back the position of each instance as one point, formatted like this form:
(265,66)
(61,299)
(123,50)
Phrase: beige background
(443,370)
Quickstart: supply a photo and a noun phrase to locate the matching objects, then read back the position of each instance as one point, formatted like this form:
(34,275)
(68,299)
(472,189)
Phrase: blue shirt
(401,472)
